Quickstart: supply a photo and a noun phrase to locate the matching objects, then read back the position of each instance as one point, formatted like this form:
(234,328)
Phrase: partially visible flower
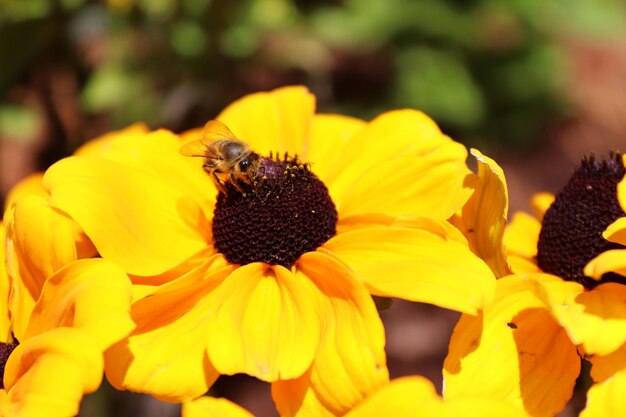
(55,354)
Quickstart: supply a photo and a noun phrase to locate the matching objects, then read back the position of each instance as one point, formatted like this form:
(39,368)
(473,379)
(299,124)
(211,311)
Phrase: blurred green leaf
(439,84)
(19,122)
(188,38)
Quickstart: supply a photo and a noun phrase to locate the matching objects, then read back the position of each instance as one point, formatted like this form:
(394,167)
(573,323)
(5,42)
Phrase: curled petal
(484,215)
(404,156)
(92,295)
(350,362)
(31,185)
(48,374)
(133,216)
(264,323)
(609,261)
(596,319)
(166,355)
(616,231)
(416,265)
(277,121)
(209,406)
(514,351)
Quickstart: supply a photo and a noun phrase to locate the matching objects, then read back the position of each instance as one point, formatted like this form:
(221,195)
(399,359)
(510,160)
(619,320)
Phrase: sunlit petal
(92,295)
(264,323)
(350,363)
(609,261)
(48,374)
(103,143)
(404,156)
(329,135)
(213,407)
(31,185)
(520,242)
(132,216)
(596,319)
(166,354)
(540,203)
(515,351)
(416,265)
(5,321)
(277,121)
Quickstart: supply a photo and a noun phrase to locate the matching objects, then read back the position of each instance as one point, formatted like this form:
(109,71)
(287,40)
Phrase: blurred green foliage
(486,70)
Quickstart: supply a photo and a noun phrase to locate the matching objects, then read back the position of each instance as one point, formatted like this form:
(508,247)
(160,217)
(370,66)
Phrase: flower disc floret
(571,232)
(288,213)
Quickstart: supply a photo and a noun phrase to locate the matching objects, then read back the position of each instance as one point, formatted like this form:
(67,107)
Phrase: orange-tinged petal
(484,215)
(49,374)
(40,240)
(403,156)
(609,261)
(165,355)
(604,367)
(133,216)
(329,135)
(616,231)
(596,319)
(416,265)
(92,295)
(607,398)
(31,185)
(275,121)
(416,396)
(103,143)
(514,351)
(210,406)
(5,322)
(540,203)
(264,323)
(350,363)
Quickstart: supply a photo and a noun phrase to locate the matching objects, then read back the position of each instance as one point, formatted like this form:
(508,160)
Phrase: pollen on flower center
(571,232)
(5,352)
(287,213)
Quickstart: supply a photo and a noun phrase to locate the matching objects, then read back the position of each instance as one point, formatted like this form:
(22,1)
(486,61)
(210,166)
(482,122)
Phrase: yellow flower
(297,313)
(566,291)
(57,357)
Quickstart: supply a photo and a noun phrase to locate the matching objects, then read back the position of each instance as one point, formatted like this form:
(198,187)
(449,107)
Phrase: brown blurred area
(355,79)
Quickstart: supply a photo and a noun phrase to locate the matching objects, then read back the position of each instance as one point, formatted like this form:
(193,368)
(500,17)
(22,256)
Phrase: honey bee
(226,158)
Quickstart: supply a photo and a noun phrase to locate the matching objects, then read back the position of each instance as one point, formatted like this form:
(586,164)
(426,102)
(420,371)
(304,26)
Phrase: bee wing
(213,130)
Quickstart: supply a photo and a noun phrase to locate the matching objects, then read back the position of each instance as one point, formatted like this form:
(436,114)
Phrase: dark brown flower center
(5,352)
(571,232)
(287,212)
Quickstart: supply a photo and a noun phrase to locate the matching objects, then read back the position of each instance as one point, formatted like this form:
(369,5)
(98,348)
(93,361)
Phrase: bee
(227,159)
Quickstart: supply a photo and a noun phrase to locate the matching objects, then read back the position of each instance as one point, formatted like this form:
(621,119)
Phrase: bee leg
(220,186)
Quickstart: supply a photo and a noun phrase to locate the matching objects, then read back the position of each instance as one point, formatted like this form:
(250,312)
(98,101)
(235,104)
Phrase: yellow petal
(329,135)
(31,185)
(209,406)
(92,295)
(5,321)
(48,374)
(416,265)
(484,215)
(401,164)
(134,217)
(621,193)
(616,231)
(607,398)
(540,203)
(520,242)
(416,396)
(40,240)
(604,367)
(610,261)
(277,121)
(513,351)
(350,363)
(596,319)
(103,143)
(263,323)
(165,355)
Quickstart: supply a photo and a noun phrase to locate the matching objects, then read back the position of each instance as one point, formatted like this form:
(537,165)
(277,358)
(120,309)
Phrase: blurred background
(534,84)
